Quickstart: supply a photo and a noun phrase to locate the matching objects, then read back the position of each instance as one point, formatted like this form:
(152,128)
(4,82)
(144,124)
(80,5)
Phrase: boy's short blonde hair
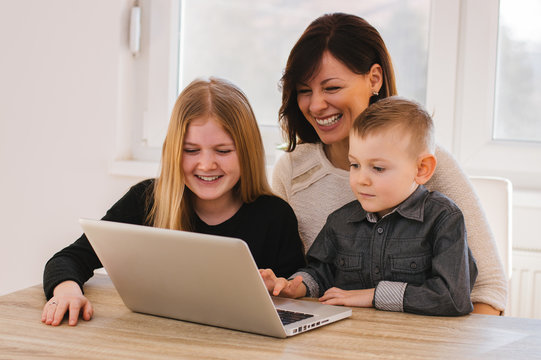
(400,112)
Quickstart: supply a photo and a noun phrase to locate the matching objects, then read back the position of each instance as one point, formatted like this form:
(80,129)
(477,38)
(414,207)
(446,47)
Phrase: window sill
(134,168)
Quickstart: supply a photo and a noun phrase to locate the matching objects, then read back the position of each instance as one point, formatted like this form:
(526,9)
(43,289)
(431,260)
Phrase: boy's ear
(426,165)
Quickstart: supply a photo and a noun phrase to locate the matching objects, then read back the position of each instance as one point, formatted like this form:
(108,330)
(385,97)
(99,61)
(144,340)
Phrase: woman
(335,70)
(212,181)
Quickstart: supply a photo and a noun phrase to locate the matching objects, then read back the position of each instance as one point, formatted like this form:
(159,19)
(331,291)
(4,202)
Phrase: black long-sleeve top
(268,225)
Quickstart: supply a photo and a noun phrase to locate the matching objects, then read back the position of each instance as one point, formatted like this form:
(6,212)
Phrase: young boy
(399,247)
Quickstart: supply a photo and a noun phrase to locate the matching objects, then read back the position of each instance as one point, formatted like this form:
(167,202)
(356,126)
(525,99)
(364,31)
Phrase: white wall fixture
(135,29)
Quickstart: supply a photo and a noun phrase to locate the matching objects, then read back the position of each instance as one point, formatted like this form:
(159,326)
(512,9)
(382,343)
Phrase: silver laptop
(200,278)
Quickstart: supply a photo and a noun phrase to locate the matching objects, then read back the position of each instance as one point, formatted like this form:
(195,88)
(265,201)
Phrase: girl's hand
(68,297)
(281,286)
(360,298)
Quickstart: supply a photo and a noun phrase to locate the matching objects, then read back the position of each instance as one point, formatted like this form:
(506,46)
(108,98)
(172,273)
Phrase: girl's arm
(285,232)
(78,261)
(67,271)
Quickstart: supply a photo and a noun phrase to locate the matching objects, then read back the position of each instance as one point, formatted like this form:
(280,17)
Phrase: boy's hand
(281,286)
(360,298)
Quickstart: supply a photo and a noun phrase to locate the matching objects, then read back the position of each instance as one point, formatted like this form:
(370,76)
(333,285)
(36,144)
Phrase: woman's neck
(337,153)
(214,212)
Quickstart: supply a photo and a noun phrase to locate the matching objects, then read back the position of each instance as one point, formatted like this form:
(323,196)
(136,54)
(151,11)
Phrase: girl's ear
(426,165)
(376,77)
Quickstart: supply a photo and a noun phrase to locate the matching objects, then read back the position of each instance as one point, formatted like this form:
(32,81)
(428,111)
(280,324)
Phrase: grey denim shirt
(417,257)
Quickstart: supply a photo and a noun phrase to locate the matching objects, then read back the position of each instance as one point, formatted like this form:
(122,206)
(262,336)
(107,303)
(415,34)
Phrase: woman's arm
(490,289)
(281,177)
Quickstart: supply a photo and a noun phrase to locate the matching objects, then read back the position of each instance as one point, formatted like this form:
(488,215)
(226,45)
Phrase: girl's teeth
(328,121)
(208,178)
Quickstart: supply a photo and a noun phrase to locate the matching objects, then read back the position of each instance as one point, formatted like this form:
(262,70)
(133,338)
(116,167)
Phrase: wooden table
(117,333)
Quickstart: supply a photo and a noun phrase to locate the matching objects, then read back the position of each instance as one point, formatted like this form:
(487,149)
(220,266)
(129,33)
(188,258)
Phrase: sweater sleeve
(449,179)
(78,261)
(281,177)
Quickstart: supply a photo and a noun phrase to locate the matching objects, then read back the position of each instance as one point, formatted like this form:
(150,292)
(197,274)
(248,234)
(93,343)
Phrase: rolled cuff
(389,296)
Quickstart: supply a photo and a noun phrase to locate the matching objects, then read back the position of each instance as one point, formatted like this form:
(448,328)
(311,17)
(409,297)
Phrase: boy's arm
(318,275)
(313,279)
(447,291)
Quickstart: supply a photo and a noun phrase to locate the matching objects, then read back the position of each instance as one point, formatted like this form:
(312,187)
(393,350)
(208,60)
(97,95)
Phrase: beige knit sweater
(314,188)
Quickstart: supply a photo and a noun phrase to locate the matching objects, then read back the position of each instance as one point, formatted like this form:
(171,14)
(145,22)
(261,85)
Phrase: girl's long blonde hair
(173,201)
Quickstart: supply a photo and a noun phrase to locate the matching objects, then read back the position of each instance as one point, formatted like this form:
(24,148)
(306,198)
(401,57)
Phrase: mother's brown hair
(350,39)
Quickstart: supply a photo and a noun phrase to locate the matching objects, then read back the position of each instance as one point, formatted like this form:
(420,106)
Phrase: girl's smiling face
(210,162)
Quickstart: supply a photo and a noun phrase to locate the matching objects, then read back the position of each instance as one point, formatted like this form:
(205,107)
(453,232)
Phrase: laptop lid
(195,277)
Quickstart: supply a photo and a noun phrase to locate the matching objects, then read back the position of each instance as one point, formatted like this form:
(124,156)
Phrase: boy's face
(382,169)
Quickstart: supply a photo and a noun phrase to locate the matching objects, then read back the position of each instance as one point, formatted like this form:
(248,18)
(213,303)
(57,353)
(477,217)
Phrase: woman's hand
(486,309)
(360,298)
(67,297)
(281,286)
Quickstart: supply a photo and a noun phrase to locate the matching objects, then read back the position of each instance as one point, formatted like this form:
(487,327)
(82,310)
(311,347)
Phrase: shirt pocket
(348,274)
(411,269)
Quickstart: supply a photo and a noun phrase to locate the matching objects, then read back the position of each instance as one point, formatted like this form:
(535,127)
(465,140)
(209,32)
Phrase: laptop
(200,278)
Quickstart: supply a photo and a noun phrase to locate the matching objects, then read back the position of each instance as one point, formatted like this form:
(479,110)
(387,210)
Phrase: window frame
(462,58)
(475,147)
(149,86)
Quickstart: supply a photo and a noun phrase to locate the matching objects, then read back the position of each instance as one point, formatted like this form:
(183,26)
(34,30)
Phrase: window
(497,127)
(518,75)
(248,42)
(453,56)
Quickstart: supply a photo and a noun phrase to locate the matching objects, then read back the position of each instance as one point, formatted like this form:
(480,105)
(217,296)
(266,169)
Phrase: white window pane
(518,89)
(248,42)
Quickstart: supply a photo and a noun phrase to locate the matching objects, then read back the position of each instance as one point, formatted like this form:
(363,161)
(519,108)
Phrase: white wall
(61,79)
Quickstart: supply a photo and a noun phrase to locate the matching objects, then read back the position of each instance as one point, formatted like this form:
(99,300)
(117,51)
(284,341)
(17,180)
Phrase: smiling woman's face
(334,97)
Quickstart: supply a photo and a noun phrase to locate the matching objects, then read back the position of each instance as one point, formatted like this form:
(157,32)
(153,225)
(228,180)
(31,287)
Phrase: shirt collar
(414,206)
(411,208)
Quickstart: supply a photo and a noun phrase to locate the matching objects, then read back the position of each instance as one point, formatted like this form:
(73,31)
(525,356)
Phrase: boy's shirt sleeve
(447,291)
(318,275)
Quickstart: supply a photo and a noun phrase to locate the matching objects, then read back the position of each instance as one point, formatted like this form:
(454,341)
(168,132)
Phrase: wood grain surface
(117,333)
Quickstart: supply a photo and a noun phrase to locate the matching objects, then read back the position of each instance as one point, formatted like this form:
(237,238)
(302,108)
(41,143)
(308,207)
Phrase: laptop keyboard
(289,317)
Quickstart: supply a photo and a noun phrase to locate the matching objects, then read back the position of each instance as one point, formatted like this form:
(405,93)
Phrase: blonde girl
(212,180)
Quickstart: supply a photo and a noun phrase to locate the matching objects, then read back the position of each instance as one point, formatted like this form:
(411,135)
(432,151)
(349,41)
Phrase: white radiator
(526,284)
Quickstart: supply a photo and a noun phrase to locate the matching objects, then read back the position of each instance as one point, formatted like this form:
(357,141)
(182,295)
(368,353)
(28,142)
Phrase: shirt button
(376,270)
(380,230)
(413,265)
